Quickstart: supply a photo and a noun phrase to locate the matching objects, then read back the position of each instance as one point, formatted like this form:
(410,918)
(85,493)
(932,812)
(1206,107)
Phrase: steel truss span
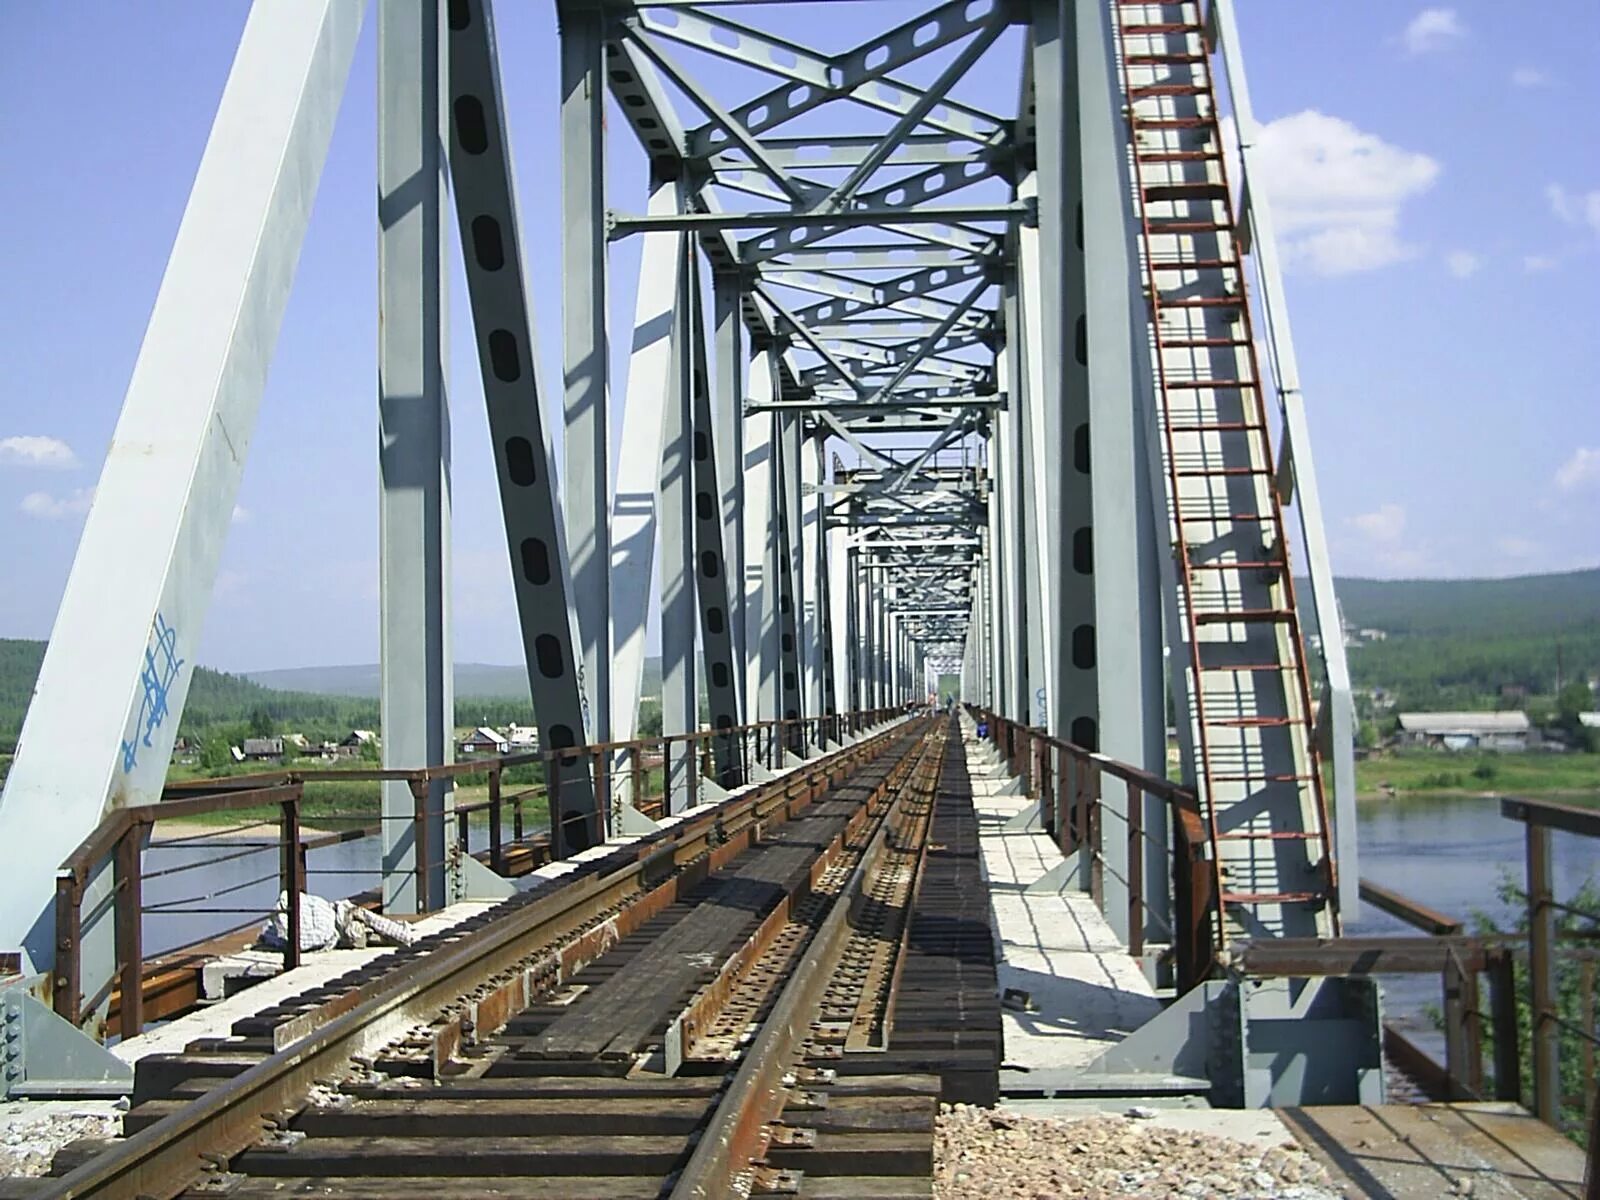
(959,348)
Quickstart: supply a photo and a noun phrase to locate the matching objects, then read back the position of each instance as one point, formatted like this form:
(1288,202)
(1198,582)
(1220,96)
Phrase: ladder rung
(1218,427)
(1205,122)
(1218,518)
(1149,90)
(1202,302)
(1268,564)
(1202,343)
(1200,385)
(1175,156)
(1222,472)
(1229,667)
(1255,722)
(1180,225)
(1264,779)
(1271,897)
(1163,60)
(1244,616)
(1198,190)
(1155,29)
(1199,264)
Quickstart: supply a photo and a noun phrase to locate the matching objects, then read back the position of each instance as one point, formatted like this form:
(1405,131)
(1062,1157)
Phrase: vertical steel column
(763,696)
(786,510)
(1126,576)
(1062,325)
(810,569)
(680,709)
(584,350)
(1015,590)
(653,374)
(417,705)
(730,367)
(710,562)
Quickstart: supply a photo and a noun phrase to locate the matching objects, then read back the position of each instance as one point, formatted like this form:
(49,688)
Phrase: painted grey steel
(763,698)
(43,1057)
(115,674)
(731,366)
(417,689)
(585,344)
(680,709)
(710,563)
(525,465)
(651,388)
(1126,580)
(1297,476)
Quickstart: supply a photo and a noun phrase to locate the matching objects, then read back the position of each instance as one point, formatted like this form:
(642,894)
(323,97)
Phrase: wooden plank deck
(1489,1151)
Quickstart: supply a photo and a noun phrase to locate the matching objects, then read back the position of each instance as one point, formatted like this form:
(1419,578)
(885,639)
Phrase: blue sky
(1435,178)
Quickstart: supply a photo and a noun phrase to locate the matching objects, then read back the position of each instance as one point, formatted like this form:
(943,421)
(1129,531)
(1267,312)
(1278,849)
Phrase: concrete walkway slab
(1088,991)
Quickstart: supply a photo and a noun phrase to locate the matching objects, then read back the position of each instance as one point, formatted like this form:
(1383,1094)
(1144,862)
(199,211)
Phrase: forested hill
(215,698)
(1523,604)
(1473,643)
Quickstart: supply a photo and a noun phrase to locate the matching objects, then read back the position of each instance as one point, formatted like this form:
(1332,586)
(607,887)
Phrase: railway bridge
(960,366)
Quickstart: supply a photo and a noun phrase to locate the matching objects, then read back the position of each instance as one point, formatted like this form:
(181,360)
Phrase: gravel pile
(991,1154)
(30,1134)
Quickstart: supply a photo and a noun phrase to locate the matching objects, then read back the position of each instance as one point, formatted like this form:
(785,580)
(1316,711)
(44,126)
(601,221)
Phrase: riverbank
(1441,772)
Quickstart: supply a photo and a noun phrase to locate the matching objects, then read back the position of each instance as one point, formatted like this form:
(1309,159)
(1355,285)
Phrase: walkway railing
(1506,1045)
(1069,783)
(288,816)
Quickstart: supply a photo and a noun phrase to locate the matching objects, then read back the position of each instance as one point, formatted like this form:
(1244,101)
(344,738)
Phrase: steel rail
(165,1158)
(754,1097)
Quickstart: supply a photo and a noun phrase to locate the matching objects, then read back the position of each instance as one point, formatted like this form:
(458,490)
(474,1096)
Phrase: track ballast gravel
(992,1154)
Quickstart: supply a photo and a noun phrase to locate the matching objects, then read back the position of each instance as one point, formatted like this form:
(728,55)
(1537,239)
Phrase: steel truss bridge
(959,346)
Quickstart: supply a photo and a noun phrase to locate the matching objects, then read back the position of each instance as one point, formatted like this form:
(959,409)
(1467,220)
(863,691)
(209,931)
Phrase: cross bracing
(937,361)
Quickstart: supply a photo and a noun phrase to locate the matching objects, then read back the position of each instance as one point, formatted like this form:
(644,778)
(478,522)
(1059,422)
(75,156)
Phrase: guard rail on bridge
(271,811)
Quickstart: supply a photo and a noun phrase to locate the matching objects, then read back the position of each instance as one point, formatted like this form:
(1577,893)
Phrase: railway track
(771,998)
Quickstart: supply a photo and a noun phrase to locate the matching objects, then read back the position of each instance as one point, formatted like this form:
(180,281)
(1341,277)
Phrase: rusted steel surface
(1301,957)
(459,1015)
(1417,915)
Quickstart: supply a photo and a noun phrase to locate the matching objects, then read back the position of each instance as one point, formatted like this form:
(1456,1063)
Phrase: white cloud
(1386,524)
(1432,29)
(1581,208)
(1580,471)
(1463,264)
(1533,264)
(34,451)
(1517,547)
(1529,77)
(50,508)
(241,514)
(1337,191)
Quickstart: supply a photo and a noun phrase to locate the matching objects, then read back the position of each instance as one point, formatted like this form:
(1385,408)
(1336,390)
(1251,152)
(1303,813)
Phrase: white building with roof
(1506,731)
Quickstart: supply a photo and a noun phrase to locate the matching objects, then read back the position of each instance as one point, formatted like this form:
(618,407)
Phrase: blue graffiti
(161,667)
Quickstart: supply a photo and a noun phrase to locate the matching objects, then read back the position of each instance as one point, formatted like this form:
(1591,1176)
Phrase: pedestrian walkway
(1085,991)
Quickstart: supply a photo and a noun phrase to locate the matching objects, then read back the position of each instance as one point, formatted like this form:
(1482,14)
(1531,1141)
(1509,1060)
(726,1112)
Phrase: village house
(258,748)
(1504,731)
(484,740)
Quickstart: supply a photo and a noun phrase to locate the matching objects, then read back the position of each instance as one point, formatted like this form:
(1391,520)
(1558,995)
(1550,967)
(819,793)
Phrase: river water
(1449,852)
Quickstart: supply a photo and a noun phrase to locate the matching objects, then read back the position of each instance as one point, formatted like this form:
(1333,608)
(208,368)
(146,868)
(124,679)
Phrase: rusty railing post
(602,791)
(129,908)
(1097,880)
(1503,1021)
(290,875)
(1541,974)
(496,851)
(419,839)
(552,791)
(67,987)
(1135,870)
(1456,1058)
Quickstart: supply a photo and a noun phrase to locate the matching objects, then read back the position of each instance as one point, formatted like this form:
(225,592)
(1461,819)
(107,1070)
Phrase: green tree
(1577,923)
